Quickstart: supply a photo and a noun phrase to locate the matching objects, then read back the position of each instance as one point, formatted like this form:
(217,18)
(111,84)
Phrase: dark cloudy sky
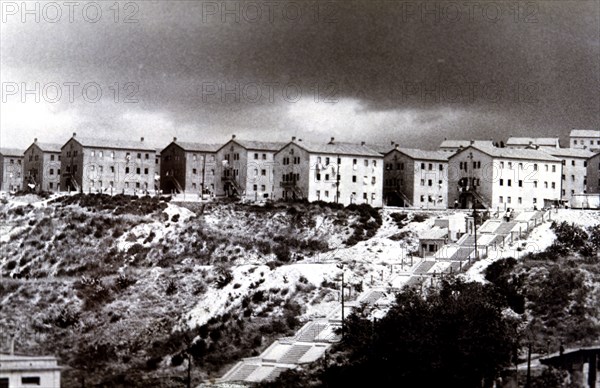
(412,72)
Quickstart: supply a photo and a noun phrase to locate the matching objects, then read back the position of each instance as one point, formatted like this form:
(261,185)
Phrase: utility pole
(475,230)
(341,266)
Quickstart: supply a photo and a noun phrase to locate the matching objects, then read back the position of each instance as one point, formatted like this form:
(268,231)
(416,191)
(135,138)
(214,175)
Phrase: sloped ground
(122,290)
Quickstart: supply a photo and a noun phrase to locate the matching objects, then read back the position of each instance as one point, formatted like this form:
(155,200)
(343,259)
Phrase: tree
(457,335)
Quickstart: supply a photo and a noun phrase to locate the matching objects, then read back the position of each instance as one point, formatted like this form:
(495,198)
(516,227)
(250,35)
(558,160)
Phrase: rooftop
(434,234)
(465,143)
(11,152)
(47,147)
(514,153)
(197,147)
(585,133)
(338,148)
(570,152)
(113,143)
(540,141)
(423,154)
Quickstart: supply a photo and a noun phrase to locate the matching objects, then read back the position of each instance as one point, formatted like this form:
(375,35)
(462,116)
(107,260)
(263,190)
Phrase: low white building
(502,178)
(25,372)
(337,172)
(456,145)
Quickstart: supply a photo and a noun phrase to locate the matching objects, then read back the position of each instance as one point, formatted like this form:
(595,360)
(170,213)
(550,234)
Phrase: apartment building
(41,166)
(456,145)
(92,165)
(574,170)
(585,138)
(502,178)
(11,169)
(188,167)
(593,173)
(337,172)
(245,169)
(533,142)
(416,178)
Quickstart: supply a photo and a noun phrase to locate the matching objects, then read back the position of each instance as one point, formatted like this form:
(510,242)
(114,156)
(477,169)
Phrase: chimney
(396,146)
(174,138)
(142,138)
(392,142)
(74,134)
(293,138)
(332,140)
(299,139)
(232,137)
(35,140)
(472,141)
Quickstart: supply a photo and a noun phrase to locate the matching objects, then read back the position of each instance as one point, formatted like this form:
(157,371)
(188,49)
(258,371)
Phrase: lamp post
(475,230)
(341,266)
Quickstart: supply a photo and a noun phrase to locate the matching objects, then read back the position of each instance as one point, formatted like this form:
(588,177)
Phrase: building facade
(574,170)
(585,138)
(41,167)
(533,142)
(245,169)
(593,173)
(23,371)
(502,178)
(188,167)
(416,178)
(92,165)
(11,169)
(336,172)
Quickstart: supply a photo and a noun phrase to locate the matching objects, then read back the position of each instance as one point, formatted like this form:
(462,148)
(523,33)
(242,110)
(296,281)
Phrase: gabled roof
(585,133)
(337,148)
(256,145)
(465,143)
(539,141)
(512,153)
(46,147)
(417,154)
(12,152)
(381,148)
(92,142)
(195,147)
(570,152)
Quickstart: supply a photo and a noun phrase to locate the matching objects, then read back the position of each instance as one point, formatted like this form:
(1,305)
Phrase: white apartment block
(245,169)
(336,172)
(574,170)
(25,371)
(585,138)
(416,178)
(502,178)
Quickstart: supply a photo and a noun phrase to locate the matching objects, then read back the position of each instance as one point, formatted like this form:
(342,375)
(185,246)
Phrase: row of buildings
(523,173)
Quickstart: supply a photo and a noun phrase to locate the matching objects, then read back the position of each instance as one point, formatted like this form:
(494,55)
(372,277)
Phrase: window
(535,167)
(51,171)
(430,166)
(553,185)
(339,161)
(510,167)
(547,169)
(264,156)
(326,193)
(353,178)
(194,171)
(146,171)
(501,199)
(366,163)
(563,177)
(319,159)
(520,183)
(429,182)
(422,182)
(327,161)
(26,380)
(509,182)
(327,177)
(93,153)
(364,195)
(520,166)
(422,166)
(51,185)
(255,187)
(255,156)
(318,193)
(501,182)
(508,199)
(318,176)
(501,164)
(112,169)
(535,184)
(575,142)
(520,201)
(572,177)
(584,163)
(422,198)
(553,168)
(545,185)
(51,157)
(100,153)
(535,200)
(441,167)
(126,170)
(263,172)
(263,188)
(354,161)
(138,170)
(156,161)
(373,180)
(374,163)
(137,185)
